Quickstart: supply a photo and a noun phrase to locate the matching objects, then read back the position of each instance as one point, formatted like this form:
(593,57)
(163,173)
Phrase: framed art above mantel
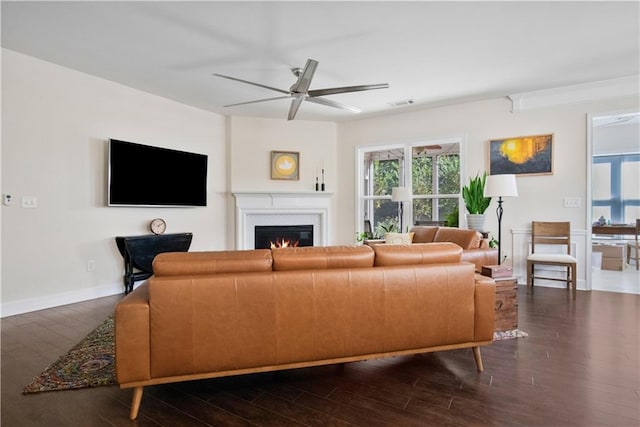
(521,155)
(285,165)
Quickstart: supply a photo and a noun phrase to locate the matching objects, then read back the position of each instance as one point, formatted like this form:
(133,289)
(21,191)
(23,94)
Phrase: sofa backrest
(423,233)
(215,262)
(417,253)
(466,239)
(233,322)
(322,257)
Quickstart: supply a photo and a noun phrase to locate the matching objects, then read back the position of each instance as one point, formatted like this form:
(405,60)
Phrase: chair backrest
(550,233)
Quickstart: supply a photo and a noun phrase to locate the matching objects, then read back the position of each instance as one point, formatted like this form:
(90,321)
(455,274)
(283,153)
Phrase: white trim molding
(604,89)
(40,303)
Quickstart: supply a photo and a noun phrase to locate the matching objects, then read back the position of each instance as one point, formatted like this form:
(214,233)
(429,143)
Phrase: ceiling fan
(299,91)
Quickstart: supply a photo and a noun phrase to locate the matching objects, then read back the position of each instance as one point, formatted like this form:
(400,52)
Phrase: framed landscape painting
(285,165)
(521,155)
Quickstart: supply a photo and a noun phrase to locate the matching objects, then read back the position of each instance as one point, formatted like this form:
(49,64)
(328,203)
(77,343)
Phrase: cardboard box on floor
(612,256)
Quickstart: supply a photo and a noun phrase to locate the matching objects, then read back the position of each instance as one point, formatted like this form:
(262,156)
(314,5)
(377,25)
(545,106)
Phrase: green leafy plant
(452,218)
(388,228)
(473,195)
(361,237)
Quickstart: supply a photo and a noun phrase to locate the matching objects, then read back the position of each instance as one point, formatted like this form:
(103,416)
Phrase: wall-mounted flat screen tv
(143,175)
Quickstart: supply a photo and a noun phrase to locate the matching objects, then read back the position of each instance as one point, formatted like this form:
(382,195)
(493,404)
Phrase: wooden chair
(552,233)
(634,246)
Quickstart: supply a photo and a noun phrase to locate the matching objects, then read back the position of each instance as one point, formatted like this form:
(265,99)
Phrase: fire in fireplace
(275,236)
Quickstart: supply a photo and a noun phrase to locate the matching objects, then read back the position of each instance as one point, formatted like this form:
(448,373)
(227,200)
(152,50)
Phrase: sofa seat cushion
(322,257)
(417,253)
(215,262)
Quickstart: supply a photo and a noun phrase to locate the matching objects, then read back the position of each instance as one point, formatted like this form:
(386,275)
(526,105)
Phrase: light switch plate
(572,202)
(29,202)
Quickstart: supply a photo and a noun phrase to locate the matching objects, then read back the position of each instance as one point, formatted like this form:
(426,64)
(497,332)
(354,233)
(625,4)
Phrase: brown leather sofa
(475,249)
(214,314)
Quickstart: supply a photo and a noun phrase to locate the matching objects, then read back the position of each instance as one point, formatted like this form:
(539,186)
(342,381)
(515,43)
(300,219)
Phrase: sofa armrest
(485,303)
(481,257)
(132,339)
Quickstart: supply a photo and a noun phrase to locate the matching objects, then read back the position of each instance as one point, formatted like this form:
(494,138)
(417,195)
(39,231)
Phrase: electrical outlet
(7,199)
(91,265)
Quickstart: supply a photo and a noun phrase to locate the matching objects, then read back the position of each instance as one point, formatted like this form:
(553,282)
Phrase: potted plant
(475,202)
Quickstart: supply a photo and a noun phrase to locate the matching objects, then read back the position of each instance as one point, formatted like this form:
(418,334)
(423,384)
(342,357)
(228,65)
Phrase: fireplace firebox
(276,236)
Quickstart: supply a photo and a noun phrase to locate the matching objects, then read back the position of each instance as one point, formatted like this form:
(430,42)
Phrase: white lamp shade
(401,194)
(501,186)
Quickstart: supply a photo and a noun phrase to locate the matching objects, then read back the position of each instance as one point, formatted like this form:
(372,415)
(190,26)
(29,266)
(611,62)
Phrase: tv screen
(143,175)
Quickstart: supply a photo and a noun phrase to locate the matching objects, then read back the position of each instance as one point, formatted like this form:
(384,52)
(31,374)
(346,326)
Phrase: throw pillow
(398,238)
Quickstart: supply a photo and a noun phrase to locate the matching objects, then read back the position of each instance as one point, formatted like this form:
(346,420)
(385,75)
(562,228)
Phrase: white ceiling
(434,53)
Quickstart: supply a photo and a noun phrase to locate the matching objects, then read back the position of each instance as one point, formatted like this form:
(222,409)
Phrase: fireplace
(275,236)
(269,209)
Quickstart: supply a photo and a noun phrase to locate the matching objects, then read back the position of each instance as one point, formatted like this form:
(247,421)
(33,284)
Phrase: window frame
(616,202)
(407,147)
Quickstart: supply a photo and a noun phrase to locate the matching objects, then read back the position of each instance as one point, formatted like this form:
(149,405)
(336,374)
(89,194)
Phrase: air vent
(401,103)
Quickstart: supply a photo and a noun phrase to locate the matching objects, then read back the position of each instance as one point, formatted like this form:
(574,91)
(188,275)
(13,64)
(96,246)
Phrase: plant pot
(475,221)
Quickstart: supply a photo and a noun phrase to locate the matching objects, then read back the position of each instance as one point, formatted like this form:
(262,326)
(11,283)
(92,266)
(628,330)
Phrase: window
(431,170)
(616,194)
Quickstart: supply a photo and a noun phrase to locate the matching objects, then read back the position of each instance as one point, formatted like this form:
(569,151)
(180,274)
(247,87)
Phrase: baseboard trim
(49,301)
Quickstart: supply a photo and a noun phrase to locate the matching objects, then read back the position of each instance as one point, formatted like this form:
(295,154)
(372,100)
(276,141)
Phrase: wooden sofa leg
(478,357)
(135,402)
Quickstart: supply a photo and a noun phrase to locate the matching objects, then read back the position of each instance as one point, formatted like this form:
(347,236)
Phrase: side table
(506,315)
(139,251)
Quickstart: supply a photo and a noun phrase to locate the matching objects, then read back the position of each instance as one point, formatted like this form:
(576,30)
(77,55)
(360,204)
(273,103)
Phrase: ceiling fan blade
(304,80)
(295,104)
(258,100)
(252,83)
(345,89)
(329,103)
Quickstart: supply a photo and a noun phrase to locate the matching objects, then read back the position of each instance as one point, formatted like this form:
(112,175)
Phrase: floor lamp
(401,195)
(500,186)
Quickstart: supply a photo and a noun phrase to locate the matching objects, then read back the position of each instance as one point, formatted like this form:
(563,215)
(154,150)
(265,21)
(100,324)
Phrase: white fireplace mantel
(281,208)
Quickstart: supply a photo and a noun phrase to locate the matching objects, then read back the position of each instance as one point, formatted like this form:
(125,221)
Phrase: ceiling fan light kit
(300,92)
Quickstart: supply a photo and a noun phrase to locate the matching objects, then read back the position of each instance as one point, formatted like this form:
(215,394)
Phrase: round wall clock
(157,226)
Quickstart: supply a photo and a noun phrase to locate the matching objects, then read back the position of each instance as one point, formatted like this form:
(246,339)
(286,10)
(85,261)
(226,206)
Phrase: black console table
(139,251)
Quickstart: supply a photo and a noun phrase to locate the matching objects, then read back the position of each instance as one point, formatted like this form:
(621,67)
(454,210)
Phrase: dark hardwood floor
(578,367)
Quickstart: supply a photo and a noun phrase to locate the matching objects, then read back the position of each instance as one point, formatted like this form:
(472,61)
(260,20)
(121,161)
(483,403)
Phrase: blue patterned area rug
(507,335)
(89,364)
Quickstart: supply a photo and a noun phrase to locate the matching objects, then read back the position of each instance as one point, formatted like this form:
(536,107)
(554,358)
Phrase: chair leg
(574,281)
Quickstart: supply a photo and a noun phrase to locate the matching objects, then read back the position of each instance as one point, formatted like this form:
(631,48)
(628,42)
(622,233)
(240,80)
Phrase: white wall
(540,197)
(619,139)
(56,121)
(251,141)
(55,126)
